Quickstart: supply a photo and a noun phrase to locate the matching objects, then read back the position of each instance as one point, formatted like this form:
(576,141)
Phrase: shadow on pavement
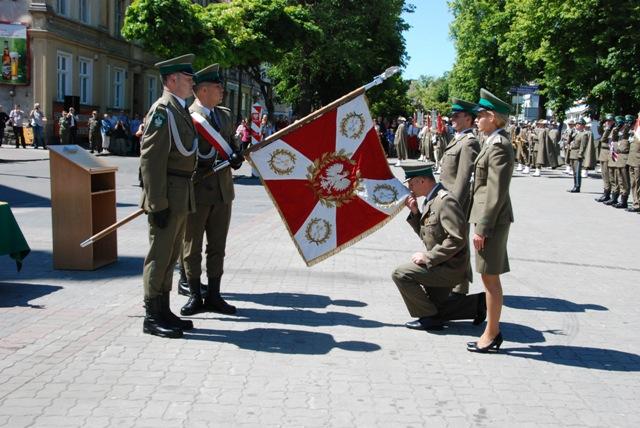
(20,294)
(245,180)
(281,341)
(512,332)
(577,356)
(293,300)
(39,265)
(20,199)
(304,317)
(549,304)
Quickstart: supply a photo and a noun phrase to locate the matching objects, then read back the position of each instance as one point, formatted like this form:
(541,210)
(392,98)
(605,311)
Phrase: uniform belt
(209,164)
(179,173)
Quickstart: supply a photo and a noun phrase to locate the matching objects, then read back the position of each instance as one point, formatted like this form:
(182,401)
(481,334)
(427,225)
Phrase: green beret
(628,118)
(619,119)
(417,169)
(210,73)
(609,116)
(181,64)
(458,105)
(488,101)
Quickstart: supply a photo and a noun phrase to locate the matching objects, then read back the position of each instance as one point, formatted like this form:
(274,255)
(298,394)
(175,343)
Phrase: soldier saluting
(167,161)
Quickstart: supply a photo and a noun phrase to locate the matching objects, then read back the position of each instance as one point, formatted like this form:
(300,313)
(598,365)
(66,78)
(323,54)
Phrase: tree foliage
(573,49)
(359,40)
(431,93)
(316,50)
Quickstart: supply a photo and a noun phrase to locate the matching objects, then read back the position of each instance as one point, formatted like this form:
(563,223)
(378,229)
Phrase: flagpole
(270,139)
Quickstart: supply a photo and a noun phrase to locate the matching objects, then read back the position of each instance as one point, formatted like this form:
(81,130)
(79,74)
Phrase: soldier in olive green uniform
(95,137)
(618,155)
(400,140)
(426,282)
(214,195)
(457,162)
(603,158)
(491,212)
(577,147)
(633,163)
(167,161)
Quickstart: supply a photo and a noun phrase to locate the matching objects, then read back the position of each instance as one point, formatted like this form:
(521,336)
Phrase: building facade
(76,56)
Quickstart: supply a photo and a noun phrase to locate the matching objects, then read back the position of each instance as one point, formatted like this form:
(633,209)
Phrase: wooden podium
(83,202)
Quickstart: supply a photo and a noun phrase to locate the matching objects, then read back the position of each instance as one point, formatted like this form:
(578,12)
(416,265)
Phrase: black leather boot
(605,196)
(194,304)
(172,318)
(154,323)
(573,190)
(613,199)
(183,283)
(623,202)
(214,302)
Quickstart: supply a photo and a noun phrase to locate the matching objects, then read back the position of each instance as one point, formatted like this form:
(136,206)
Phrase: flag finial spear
(382,77)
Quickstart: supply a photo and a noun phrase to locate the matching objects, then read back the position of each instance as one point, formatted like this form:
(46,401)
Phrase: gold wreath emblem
(282,162)
(384,194)
(334,178)
(352,125)
(318,231)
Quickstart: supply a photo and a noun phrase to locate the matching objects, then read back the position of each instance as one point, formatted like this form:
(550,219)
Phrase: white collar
(206,109)
(182,102)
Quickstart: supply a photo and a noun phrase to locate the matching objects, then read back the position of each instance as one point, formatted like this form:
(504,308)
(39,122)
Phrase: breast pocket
(480,174)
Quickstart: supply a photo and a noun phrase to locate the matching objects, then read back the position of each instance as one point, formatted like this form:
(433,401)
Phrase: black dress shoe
(425,323)
(575,190)
(482,309)
(493,346)
(633,210)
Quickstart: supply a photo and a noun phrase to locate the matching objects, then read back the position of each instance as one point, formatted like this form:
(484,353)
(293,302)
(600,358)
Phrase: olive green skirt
(493,259)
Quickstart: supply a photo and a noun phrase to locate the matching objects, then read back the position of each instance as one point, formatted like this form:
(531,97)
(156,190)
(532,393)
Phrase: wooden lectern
(83,202)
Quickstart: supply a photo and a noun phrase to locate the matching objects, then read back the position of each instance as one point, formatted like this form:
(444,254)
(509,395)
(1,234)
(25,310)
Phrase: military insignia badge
(158,119)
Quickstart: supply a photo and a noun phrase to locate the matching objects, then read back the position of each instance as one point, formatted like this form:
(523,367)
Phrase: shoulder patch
(158,119)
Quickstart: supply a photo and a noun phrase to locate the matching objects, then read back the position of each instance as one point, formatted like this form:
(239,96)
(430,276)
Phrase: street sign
(524,89)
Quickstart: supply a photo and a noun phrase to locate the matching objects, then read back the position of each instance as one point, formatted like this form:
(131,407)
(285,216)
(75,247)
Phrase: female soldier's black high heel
(493,346)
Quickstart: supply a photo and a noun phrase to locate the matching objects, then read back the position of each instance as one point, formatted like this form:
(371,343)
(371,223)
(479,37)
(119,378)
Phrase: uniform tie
(214,120)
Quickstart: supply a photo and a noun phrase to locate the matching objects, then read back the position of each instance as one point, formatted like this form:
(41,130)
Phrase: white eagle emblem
(335,178)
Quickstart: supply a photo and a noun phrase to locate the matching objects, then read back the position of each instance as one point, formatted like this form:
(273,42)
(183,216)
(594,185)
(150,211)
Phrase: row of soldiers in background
(620,160)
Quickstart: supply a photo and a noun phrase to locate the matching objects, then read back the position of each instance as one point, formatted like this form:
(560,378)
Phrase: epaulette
(224,108)
(442,193)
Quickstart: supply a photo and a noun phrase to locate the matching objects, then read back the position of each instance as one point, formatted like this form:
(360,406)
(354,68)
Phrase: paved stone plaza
(322,346)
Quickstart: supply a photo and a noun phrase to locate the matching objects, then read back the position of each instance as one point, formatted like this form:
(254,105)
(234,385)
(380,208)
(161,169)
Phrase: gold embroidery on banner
(282,162)
(318,231)
(352,125)
(334,178)
(384,194)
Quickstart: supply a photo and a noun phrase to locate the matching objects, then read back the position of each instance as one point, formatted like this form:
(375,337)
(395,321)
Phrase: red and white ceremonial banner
(256,121)
(330,181)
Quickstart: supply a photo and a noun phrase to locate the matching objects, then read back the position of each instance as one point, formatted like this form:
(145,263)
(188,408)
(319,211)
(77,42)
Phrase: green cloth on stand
(12,240)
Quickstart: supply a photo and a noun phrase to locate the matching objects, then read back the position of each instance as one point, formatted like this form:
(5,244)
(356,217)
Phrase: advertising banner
(13,42)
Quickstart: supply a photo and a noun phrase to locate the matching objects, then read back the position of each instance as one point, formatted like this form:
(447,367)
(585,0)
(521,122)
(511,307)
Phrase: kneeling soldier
(425,282)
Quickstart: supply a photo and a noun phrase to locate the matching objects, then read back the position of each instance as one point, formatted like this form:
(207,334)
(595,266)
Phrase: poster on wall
(13,42)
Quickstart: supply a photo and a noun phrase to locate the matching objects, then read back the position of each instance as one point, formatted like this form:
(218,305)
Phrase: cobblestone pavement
(322,346)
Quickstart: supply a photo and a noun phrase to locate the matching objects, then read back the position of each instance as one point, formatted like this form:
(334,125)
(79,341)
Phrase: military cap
(609,116)
(417,169)
(581,121)
(628,118)
(619,119)
(402,119)
(541,122)
(458,105)
(181,64)
(571,122)
(210,73)
(488,101)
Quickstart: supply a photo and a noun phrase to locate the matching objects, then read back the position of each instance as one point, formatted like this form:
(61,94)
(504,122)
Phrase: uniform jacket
(620,142)
(490,201)
(578,144)
(590,152)
(457,165)
(219,186)
(443,229)
(634,149)
(94,129)
(546,155)
(603,152)
(165,170)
